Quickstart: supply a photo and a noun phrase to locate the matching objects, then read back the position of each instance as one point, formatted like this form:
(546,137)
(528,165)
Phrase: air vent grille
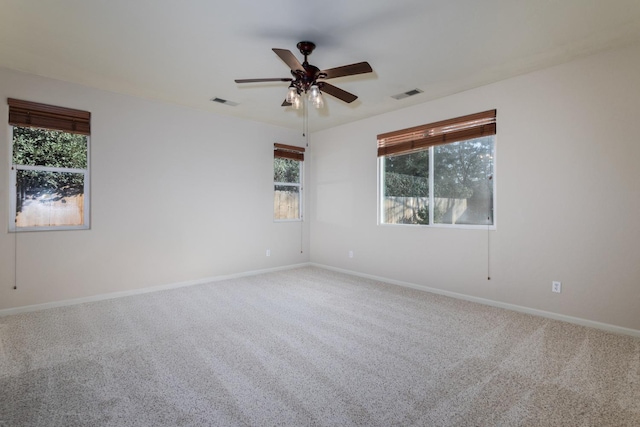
(407,94)
(224,101)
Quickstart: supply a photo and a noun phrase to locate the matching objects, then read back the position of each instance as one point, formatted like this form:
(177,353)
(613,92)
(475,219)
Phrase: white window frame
(381,186)
(13,188)
(300,193)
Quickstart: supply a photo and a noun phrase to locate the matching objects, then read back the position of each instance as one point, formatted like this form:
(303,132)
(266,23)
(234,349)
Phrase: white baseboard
(112,295)
(550,315)
(492,303)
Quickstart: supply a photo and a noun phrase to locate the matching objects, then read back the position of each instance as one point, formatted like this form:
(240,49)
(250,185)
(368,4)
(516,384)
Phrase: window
(287,182)
(440,173)
(50,167)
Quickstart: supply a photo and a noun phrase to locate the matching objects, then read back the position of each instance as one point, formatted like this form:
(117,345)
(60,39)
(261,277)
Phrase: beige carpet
(310,347)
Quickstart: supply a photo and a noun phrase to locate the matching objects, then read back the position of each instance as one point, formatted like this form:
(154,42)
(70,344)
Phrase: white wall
(180,194)
(177,195)
(568,195)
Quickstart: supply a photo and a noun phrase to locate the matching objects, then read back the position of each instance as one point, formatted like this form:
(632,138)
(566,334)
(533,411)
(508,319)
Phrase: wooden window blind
(283,151)
(444,132)
(33,114)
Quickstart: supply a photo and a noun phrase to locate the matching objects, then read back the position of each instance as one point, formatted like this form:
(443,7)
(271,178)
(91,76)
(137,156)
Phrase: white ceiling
(187,52)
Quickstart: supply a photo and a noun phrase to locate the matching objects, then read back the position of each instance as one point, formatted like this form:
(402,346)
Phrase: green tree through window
(287,189)
(50,173)
(460,190)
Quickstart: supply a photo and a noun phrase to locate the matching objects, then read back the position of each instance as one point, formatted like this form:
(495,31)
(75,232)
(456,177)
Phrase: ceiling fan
(309,79)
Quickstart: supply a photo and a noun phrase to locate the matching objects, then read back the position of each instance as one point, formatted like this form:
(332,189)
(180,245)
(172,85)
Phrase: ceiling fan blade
(337,92)
(289,59)
(348,70)
(283,79)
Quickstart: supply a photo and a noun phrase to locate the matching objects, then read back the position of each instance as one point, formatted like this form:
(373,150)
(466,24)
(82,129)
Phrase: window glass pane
(46,199)
(463,184)
(286,170)
(406,188)
(42,147)
(286,202)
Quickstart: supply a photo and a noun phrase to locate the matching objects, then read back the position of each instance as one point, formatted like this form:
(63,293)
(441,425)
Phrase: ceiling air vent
(224,101)
(407,94)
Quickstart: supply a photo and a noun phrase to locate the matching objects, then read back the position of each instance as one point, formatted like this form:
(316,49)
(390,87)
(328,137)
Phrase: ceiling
(188,52)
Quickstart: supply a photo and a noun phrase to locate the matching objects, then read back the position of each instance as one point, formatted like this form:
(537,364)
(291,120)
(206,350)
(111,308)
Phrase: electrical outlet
(268,252)
(556,287)
(350,254)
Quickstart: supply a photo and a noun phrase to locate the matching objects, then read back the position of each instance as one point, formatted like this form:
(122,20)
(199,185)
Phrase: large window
(440,173)
(50,167)
(287,181)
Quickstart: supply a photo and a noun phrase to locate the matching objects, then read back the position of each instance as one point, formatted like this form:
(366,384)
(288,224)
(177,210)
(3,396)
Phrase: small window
(50,167)
(287,181)
(441,173)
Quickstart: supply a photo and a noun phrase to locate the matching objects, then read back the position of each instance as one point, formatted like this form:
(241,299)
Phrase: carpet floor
(310,347)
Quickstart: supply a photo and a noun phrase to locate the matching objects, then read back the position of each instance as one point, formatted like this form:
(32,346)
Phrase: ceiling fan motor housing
(304,79)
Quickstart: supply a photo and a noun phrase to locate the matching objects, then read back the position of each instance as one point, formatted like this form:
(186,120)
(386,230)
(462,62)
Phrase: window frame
(380,198)
(27,114)
(293,153)
(417,144)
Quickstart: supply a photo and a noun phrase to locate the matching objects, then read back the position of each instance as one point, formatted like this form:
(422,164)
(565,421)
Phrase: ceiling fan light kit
(310,80)
(292,94)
